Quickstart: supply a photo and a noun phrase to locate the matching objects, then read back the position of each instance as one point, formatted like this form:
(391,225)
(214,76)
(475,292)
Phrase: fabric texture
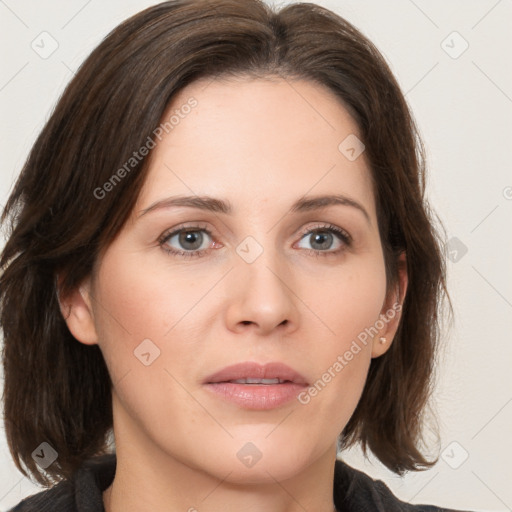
(353,491)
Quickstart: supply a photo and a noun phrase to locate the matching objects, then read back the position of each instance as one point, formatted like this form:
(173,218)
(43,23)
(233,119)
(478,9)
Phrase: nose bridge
(261,261)
(263,291)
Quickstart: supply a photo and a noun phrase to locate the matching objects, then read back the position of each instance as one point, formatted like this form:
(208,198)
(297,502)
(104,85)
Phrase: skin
(261,145)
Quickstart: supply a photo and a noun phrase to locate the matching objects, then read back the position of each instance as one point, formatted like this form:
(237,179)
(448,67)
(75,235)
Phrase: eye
(187,241)
(323,237)
(192,241)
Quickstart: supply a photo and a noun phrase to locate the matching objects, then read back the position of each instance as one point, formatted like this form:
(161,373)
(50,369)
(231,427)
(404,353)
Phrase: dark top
(353,491)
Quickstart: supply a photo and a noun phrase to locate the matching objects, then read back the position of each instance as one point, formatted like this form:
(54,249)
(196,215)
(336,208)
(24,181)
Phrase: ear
(391,311)
(76,309)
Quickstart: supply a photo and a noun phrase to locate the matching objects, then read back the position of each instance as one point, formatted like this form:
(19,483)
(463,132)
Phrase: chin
(261,473)
(258,462)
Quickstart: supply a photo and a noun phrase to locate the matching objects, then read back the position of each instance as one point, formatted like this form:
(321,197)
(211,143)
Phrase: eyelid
(190,226)
(328,227)
(341,233)
(200,226)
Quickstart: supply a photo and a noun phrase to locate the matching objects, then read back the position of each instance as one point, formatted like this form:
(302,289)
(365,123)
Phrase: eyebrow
(211,204)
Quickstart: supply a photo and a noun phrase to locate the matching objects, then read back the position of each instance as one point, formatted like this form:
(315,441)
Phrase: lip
(251,369)
(256,396)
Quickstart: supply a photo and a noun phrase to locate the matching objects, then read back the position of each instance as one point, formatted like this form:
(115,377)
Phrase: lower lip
(257,396)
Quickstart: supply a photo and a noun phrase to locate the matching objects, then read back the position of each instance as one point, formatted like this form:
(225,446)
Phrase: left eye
(322,239)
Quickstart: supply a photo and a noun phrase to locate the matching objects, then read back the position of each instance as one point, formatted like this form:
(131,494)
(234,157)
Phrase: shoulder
(56,499)
(355,490)
(83,493)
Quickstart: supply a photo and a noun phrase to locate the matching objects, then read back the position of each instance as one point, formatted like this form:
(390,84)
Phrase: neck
(148,479)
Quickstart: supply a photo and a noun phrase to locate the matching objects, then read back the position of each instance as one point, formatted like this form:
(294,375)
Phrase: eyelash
(340,233)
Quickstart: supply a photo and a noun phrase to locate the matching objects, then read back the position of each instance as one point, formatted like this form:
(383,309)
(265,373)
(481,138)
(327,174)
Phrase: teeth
(257,381)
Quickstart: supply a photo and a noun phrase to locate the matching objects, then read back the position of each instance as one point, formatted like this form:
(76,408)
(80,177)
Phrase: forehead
(259,141)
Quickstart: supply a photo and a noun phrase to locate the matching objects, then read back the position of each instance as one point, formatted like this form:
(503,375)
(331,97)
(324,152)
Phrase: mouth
(253,386)
(250,380)
(250,372)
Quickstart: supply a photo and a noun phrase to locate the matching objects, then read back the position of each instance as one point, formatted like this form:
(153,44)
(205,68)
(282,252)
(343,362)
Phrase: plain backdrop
(452,60)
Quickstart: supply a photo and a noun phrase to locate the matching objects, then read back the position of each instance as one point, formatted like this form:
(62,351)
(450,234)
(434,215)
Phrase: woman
(221,254)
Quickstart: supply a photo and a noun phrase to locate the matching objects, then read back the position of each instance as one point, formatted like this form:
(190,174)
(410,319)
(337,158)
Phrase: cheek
(144,335)
(349,299)
(349,304)
(157,305)
(137,300)
(134,308)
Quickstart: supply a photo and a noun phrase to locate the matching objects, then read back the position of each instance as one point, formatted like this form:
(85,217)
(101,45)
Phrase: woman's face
(248,278)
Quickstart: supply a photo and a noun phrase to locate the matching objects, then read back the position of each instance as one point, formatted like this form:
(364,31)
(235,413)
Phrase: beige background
(463,105)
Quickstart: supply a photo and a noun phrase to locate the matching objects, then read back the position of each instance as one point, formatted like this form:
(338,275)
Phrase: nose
(261,296)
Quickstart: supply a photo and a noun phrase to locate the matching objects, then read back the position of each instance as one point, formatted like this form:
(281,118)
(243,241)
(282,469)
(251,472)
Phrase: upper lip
(250,369)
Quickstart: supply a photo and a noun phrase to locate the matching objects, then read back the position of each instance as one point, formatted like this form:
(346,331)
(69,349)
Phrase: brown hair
(59,390)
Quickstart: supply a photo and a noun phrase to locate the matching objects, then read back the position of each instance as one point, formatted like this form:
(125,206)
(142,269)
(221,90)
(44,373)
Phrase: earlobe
(391,311)
(381,345)
(76,309)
